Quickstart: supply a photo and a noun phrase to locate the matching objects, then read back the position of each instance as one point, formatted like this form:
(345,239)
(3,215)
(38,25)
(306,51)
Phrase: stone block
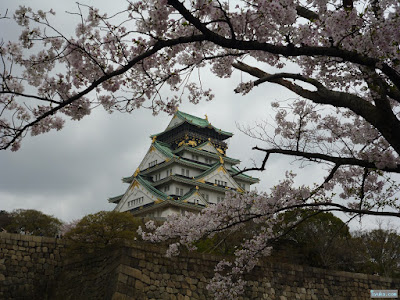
(122,278)
(130,271)
(139,285)
(146,279)
(119,296)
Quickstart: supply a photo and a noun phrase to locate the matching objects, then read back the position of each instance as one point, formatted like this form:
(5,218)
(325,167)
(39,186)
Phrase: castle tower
(185,169)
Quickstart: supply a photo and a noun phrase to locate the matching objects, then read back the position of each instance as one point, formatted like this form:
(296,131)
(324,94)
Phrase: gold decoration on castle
(192,143)
(134,184)
(220,151)
(221,169)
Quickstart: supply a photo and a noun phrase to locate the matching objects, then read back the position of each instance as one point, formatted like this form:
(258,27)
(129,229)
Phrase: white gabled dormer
(209,147)
(153,157)
(135,197)
(174,122)
(219,176)
(195,197)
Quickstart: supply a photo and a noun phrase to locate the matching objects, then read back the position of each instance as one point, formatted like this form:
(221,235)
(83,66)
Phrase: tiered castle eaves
(185,169)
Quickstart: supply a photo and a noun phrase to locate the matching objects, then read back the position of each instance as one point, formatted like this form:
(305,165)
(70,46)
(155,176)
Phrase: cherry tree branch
(382,119)
(31,96)
(339,161)
(287,51)
(157,47)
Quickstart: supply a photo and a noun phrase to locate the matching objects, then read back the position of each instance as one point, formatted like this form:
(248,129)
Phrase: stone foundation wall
(145,273)
(28,265)
(36,268)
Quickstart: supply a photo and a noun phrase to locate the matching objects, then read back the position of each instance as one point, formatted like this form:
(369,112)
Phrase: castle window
(179,191)
(220,182)
(135,201)
(185,172)
(208,160)
(169,172)
(152,163)
(205,196)
(195,157)
(166,188)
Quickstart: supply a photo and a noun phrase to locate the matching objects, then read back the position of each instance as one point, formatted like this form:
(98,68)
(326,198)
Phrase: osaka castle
(185,169)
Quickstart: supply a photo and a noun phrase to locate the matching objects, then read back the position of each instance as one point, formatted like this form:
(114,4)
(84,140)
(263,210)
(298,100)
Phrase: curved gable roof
(199,122)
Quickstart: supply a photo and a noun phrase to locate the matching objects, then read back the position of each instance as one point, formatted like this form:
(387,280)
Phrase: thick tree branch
(287,51)
(345,209)
(340,161)
(382,119)
(306,13)
(31,96)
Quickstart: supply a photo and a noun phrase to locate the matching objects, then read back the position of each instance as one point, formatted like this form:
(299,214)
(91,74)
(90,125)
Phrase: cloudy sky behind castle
(72,172)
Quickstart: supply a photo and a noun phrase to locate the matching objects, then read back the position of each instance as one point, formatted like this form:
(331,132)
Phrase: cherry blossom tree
(346,118)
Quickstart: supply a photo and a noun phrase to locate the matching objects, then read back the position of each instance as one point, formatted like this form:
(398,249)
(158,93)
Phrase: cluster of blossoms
(230,216)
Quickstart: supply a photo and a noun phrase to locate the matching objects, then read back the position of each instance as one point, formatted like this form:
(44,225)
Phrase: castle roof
(182,117)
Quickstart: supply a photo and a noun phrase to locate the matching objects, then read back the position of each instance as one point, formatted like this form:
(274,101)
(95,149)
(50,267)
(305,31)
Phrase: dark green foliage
(318,239)
(381,252)
(5,219)
(30,221)
(101,230)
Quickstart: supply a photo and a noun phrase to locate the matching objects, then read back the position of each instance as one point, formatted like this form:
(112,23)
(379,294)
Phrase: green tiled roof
(178,203)
(199,122)
(188,194)
(192,119)
(193,182)
(203,123)
(151,188)
(174,160)
(115,199)
(163,148)
(208,171)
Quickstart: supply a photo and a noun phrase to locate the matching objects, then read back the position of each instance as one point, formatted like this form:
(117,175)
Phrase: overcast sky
(72,172)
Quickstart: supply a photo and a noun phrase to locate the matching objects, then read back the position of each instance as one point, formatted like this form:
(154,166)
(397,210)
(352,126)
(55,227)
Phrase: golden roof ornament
(221,160)
(136,172)
(206,117)
(154,139)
